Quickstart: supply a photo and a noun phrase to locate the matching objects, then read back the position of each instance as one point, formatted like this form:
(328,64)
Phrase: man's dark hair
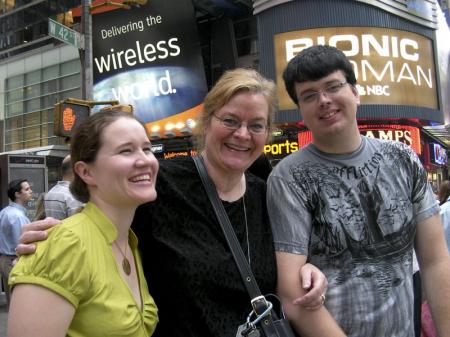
(66,167)
(314,63)
(13,187)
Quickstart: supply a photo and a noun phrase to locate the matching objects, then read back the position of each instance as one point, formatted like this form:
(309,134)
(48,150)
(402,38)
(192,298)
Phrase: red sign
(406,134)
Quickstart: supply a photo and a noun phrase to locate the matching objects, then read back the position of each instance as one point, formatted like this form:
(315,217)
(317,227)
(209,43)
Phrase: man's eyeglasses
(329,91)
(235,124)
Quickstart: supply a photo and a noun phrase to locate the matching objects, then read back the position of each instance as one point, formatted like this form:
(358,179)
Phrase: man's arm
(16,223)
(307,323)
(434,262)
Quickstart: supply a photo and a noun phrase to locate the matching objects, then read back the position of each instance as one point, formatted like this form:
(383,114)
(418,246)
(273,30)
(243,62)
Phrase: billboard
(391,66)
(150,57)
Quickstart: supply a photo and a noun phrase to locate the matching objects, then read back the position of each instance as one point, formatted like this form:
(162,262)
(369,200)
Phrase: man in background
(12,218)
(59,201)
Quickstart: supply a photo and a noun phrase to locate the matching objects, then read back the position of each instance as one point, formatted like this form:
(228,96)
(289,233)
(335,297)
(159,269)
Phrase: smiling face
(235,150)
(124,170)
(332,114)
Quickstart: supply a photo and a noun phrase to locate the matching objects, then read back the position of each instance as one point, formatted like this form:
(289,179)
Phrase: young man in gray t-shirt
(355,207)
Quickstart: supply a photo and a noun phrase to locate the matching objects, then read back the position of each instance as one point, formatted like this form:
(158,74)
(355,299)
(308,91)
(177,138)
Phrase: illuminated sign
(186,153)
(150,57)
(406,134)
(283,149)
(438,154)
(391,66)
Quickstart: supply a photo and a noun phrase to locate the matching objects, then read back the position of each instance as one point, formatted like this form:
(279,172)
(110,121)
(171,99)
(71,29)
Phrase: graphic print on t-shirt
(354,217)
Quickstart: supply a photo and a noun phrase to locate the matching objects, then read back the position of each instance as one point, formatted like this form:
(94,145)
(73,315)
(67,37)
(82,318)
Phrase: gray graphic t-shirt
(354,216)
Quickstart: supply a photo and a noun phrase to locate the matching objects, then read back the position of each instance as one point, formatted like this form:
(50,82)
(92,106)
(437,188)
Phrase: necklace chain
(125,263)
(246,230)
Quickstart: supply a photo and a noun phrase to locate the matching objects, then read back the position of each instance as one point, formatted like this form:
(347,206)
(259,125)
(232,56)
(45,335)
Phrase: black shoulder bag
(262,320)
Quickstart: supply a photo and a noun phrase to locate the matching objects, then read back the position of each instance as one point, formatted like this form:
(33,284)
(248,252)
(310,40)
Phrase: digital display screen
(438,154)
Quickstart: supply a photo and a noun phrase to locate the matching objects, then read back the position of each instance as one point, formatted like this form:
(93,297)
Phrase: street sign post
(65,34)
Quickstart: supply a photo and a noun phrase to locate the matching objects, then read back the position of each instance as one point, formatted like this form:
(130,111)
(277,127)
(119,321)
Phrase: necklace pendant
(126,266)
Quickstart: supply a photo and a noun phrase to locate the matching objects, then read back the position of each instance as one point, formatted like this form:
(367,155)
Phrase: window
(14,82)
(32,91)
(33,77)
(50,87)
(15,95)
(14,123)
(33,118)
(33,143)
(50,73)
(70,82)
(70,94)
(48,101)
(14,109)
(33,133)
(32,105)
(29,101)
(70,67)
(13,136)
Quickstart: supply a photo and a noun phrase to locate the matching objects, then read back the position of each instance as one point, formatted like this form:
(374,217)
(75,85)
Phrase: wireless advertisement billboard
(150,57)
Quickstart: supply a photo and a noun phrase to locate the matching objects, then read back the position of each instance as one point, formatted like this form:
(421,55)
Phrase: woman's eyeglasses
(235,124)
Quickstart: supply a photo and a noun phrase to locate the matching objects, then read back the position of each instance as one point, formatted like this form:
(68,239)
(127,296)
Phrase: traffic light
(67,115)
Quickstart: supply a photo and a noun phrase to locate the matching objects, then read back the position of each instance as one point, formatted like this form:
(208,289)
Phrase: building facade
(400,59)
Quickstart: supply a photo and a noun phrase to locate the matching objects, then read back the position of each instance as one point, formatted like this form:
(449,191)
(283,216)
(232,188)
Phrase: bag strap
(258,301)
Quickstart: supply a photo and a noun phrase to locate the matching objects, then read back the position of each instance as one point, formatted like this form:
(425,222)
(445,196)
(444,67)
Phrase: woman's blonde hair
(40,207)
(231,83)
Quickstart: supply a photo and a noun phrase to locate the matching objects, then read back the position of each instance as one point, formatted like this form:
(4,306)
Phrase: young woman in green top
(87,278)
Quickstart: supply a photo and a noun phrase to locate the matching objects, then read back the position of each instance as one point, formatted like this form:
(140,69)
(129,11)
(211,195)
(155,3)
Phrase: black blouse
(189,269)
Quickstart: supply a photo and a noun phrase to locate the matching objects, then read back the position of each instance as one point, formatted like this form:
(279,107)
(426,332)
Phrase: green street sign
(65,34)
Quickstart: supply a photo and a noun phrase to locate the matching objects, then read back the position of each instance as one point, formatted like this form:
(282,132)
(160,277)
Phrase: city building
(400,54)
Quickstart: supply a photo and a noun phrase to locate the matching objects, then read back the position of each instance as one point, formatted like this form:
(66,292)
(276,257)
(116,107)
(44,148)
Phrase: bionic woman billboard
(150,57)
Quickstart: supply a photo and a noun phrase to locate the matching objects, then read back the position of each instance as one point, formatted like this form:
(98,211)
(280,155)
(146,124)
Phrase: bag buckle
(251,324)
(259,305)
